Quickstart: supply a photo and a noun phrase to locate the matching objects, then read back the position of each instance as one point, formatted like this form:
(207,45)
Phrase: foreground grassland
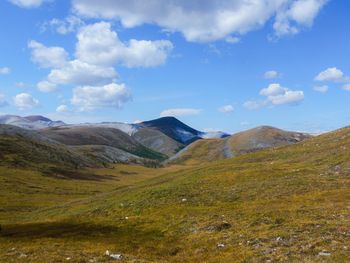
(290,204)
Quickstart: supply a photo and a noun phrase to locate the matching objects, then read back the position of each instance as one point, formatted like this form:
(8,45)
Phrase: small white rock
(278,239)
(126,218)
(68,258)
(116,256)
(324,254)
(221,245)
(184,200)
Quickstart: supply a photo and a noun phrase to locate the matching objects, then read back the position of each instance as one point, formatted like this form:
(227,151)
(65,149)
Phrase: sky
(225,65)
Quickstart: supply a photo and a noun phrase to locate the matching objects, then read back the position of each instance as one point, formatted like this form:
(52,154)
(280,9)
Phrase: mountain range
(161,141)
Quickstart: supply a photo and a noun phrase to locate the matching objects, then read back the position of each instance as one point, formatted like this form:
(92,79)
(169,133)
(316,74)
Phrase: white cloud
(64,26)
(330,74)
(46,86)
(322,89)
(3,101)
(80,73)
(206,20)
(180,112)
(98,49)
(276,95)
(99,45)
(288,97)
(226,109)
(25,101)
(296,14)
(28,3)
(346,87)
(273,89)
(48,57)
(5,71)
(62,109)
(271,74)
(89,98)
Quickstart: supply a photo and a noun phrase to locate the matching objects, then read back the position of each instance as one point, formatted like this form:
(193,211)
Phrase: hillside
(85,135)
(203,151)
(287,204)
(263,137)
(24,148)
(157,141)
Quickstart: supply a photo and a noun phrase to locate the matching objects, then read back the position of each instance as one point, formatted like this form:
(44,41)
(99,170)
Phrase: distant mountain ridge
(170,126)
(165,140)
(34,122)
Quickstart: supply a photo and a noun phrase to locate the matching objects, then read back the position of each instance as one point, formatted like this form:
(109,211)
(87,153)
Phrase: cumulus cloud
(322,89)
(271,74)
(226,109)
(78,73)
(296,14)
(276,95)
(99,45)
(330,74)
(28,3)
(206,20)
(62,108)
(5,71)
(3,101)
(98,50)
(48,57)
(89,98)
(178,112)
(64,26)
(288,97)
(25,101)
(46,86)
(273,90)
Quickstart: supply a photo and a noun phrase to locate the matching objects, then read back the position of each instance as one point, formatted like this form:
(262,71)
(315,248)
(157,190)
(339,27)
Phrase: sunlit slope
(263,137)
(207,150)
(289,204)
(200,152)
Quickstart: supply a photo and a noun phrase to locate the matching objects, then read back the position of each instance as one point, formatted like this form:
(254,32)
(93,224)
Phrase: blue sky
(223,65)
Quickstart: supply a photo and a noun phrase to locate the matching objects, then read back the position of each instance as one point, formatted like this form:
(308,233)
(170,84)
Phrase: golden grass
(277,205)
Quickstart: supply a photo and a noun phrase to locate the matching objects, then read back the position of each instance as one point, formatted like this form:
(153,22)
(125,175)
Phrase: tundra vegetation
(282,204)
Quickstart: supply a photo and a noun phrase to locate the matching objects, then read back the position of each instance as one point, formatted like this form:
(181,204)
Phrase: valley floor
(290,204)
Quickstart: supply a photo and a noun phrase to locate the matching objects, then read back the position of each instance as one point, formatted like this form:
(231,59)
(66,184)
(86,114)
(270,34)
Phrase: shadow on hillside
(77,231)
(60,173)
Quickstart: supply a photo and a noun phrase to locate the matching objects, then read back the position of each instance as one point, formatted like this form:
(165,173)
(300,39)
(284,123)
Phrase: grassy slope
(101,136)
(207,150)
(284,204)
(200,152)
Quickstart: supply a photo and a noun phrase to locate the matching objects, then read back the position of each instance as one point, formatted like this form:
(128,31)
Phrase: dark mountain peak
(37,118)
(169,121)
(174,128)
